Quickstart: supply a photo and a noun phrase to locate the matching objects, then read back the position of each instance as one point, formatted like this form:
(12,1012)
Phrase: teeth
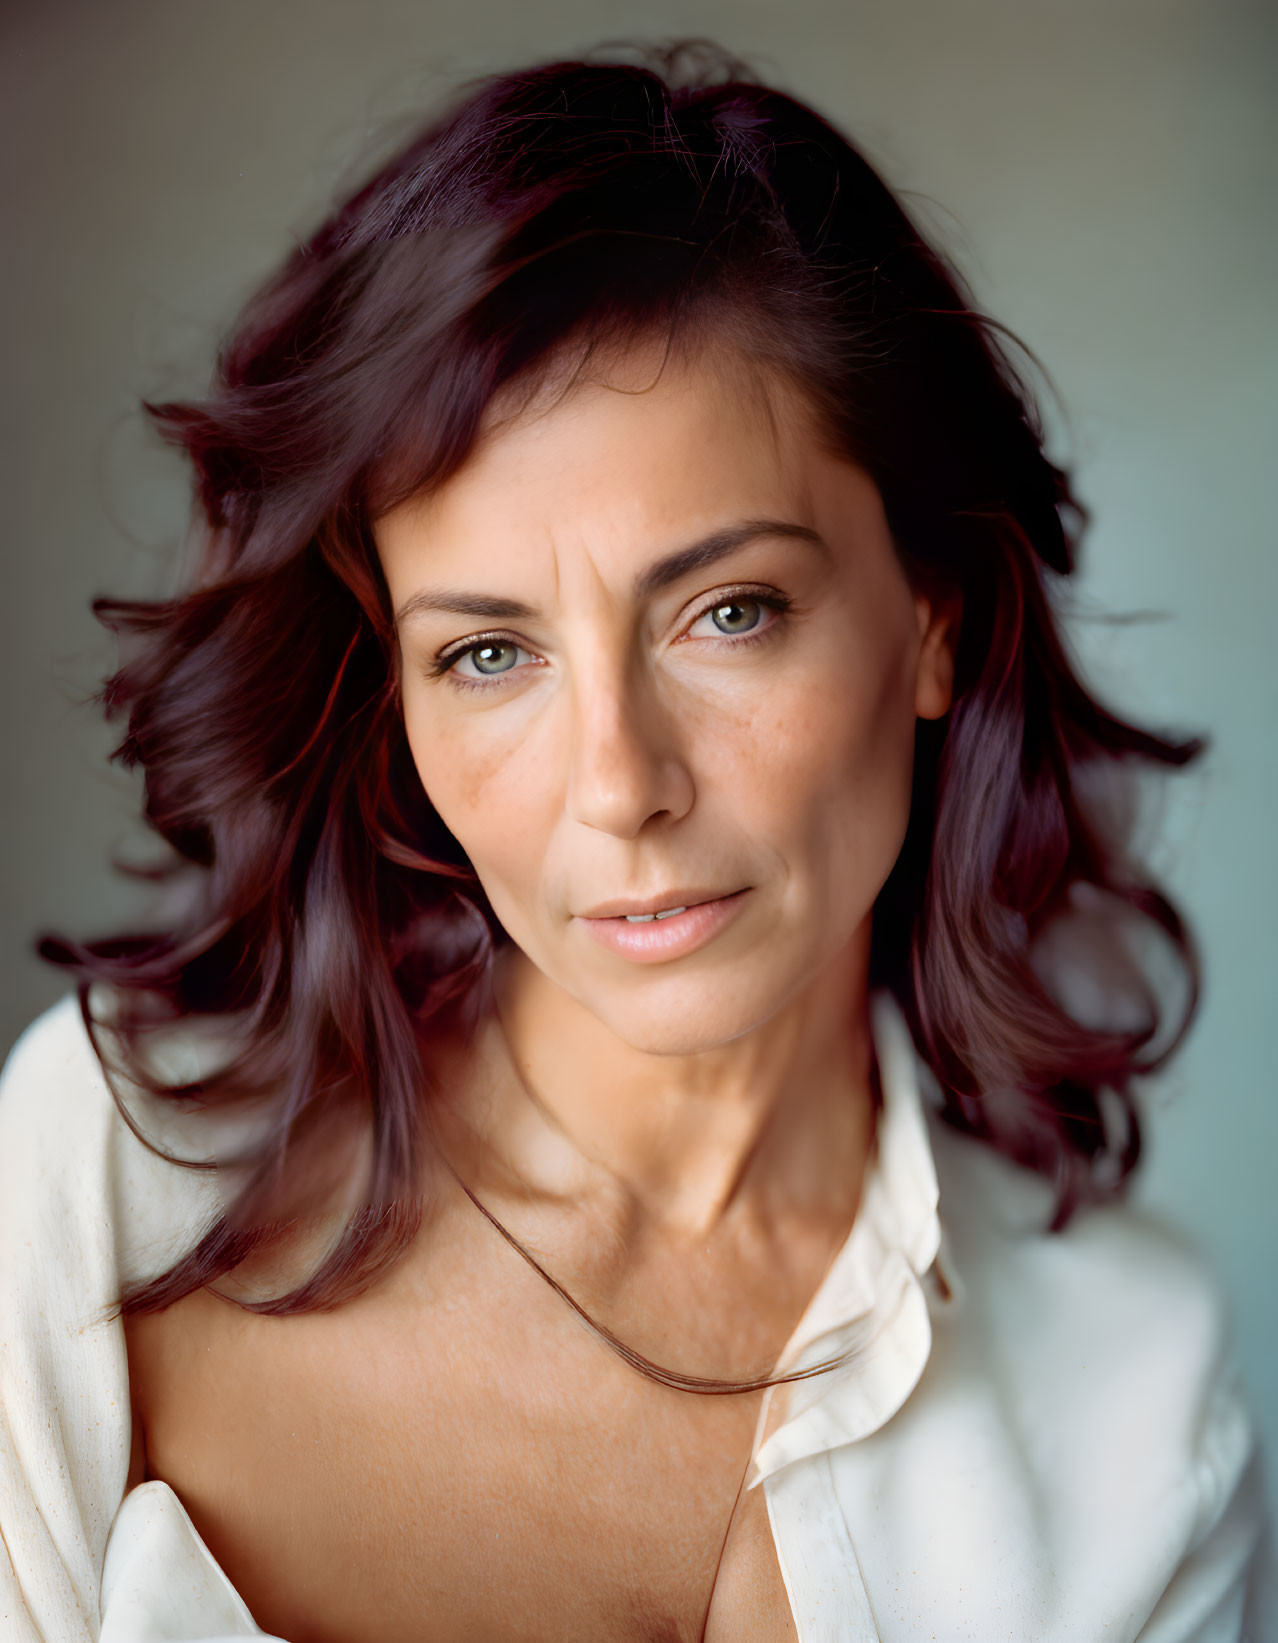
(646,918)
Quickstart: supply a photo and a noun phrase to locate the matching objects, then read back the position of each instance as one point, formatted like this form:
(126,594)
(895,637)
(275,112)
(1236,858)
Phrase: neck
(756,1134)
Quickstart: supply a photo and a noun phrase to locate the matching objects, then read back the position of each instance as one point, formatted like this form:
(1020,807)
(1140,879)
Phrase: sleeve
(80,1203)
(64,1405)
(1223,1587)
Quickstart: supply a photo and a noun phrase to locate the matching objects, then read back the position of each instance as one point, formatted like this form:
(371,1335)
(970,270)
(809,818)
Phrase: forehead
(635,453)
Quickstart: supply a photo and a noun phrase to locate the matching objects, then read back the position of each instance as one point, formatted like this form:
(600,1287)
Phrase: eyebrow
(682,562)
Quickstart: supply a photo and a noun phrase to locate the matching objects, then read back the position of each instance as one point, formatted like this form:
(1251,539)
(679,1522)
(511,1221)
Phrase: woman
(622,1131)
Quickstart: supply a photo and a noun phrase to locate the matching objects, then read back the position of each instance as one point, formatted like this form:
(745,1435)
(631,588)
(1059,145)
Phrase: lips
(655,940)
(668,902)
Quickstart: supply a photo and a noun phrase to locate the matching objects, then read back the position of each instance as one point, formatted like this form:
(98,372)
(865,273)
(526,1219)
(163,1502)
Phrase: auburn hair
(321,911)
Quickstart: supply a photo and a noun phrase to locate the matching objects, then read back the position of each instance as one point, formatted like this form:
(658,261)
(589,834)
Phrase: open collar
(874,1302)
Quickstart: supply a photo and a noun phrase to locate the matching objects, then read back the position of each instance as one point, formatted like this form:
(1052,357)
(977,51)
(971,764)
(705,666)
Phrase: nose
(626,762)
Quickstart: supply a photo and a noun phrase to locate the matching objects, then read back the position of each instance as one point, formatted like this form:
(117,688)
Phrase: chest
(389,1473)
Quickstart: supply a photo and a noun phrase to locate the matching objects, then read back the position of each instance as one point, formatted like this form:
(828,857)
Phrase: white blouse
(1040,1436)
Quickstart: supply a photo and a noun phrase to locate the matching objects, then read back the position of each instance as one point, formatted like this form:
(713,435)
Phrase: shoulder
(65,1154)
(63,1387)
(51,1067)
(1106,1366)
(1117,1273)
(75,1175)
(1118,1313)
(57,1117)
(61,1129)
(84,1204)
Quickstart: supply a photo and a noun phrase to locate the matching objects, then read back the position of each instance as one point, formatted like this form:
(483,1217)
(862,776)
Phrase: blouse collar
(874,1300)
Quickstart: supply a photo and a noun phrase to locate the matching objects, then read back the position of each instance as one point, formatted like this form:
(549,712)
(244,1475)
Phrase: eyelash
(778,602)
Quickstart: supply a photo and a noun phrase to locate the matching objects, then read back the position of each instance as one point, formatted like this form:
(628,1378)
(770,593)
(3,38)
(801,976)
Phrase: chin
(686,1020)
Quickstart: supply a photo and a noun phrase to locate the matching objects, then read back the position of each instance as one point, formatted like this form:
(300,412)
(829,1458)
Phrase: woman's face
(658,649)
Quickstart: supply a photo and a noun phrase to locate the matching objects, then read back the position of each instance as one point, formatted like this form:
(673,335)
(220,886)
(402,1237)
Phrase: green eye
(733,621)
(749,618)
(483,659)
(486,656)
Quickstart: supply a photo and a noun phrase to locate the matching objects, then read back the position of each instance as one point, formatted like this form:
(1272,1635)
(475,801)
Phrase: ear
(938,624)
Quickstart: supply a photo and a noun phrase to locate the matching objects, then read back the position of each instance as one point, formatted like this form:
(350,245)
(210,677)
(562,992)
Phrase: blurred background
(1102,171)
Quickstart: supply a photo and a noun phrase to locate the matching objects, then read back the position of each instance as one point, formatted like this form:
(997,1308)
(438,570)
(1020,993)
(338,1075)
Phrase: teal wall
(1104,170)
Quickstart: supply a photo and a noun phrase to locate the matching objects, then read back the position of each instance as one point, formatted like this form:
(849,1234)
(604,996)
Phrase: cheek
(474,785)
(835,763)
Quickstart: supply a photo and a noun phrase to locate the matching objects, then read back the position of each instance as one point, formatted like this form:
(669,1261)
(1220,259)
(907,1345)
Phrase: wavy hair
(327,918)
